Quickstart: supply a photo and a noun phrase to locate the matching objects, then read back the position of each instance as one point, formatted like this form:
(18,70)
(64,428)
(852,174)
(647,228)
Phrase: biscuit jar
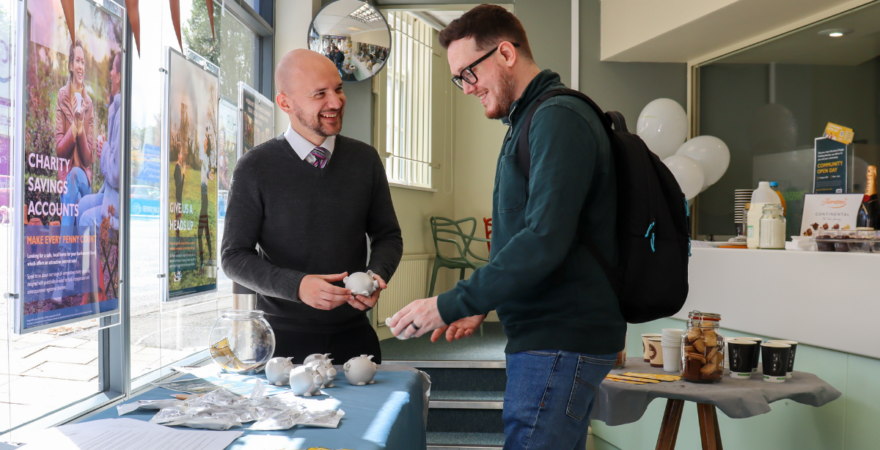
(702,355)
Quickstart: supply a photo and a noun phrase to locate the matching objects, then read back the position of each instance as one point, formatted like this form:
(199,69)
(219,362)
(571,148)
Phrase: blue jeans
(549,398)
(77,188)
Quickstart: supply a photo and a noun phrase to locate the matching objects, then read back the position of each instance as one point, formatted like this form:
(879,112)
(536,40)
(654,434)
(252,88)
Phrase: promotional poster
(72,141)
(258,118)
(193,147)
(228,155)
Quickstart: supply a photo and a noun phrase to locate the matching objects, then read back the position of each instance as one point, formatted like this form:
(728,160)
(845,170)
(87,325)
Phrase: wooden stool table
(620,403)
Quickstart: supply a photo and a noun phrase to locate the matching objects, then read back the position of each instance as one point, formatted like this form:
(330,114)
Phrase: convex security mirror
(354,35)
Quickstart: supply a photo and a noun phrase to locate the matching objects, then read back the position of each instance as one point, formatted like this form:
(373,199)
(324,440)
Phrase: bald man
(299,209)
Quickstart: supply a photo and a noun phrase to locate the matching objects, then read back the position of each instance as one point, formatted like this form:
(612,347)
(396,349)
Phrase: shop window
(408,102)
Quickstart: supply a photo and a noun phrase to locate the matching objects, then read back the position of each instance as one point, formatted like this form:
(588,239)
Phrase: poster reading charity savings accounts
(193,148)
(71,148)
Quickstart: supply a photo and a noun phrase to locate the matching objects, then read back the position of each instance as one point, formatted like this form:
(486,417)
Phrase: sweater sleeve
(563,153)
(386,242)
(244,222)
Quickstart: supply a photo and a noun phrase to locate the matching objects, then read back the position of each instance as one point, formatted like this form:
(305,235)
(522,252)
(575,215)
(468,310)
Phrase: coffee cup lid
(782,341)
(742,342)
(748,338)
(775,345)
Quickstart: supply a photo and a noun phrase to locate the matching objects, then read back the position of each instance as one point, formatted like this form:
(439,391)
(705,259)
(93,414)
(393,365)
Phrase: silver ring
(415,326)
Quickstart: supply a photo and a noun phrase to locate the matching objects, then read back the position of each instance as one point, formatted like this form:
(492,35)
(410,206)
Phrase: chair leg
(462,275)
(433,280)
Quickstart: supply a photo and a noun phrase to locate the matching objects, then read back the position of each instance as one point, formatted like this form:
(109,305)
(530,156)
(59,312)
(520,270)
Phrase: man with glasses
(559,312)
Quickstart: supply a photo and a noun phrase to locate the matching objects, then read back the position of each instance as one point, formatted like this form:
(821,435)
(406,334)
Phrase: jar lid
(772,206)
(703,316)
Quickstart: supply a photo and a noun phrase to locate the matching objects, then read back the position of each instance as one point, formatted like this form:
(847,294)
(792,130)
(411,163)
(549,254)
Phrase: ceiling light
(835,32)
(365,14)
(353,29)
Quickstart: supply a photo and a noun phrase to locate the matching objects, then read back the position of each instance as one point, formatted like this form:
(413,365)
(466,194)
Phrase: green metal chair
(452,233)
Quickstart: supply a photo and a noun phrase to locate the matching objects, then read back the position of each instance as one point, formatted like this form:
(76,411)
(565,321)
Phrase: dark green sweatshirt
(533,233)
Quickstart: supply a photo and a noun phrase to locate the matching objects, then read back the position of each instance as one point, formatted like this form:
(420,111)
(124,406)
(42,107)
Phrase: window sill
(407,186)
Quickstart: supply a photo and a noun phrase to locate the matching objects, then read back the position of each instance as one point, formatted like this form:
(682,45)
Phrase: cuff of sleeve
(291,285)
(447,305)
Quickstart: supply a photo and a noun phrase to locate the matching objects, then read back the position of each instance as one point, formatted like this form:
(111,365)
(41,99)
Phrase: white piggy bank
(278,371)
(360,370)
(317,357)
(327,371)
(305,381)
(361,283)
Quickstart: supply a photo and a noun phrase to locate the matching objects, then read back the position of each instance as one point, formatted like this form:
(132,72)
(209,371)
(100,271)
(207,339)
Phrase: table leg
(710,435)
(669,427)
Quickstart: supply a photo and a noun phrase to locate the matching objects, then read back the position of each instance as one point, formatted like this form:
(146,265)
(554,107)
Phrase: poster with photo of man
(71,138)
(258,118)
(192,147)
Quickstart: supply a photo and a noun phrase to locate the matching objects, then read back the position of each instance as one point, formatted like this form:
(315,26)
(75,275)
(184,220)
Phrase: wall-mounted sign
(69,164)
(257,118)
(191,149)
(830,169)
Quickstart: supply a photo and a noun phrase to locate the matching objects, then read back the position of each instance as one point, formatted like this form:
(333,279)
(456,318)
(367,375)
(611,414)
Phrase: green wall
(848,423)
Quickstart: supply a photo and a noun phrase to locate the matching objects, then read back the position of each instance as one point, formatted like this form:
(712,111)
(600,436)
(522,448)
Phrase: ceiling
(446,17)
(807,46)
(334,19)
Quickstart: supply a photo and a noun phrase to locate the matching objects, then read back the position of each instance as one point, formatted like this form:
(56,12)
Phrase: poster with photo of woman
(71,140)
(191,140)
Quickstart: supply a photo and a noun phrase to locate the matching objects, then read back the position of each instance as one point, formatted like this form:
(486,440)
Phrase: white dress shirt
(304,148)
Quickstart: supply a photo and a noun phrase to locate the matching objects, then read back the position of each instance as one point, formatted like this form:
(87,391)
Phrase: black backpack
(653,230)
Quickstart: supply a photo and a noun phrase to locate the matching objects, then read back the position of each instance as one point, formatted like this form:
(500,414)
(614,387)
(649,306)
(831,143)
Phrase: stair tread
(467,395)
(452,438)
(489,347)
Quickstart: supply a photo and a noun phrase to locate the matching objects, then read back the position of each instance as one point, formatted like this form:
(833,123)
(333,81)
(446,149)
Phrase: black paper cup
(775,361)
(793,344)
(741,354)
(757,354)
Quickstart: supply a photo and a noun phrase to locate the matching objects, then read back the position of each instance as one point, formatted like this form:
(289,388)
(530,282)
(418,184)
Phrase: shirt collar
(303,147)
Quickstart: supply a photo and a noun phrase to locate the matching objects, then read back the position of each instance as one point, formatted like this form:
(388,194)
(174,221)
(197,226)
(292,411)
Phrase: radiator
(409,283)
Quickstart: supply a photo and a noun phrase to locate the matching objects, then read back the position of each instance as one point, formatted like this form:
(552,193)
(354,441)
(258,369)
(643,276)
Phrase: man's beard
(506,87)
(313,123)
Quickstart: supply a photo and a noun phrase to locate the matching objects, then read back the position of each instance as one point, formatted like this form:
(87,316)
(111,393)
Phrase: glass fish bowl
(241,341)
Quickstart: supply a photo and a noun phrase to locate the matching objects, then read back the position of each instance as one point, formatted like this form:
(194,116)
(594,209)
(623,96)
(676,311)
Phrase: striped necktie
(320,155)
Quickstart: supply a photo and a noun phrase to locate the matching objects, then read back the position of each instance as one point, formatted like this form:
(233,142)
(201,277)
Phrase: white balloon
(688,173)
(711,153)
(663,126)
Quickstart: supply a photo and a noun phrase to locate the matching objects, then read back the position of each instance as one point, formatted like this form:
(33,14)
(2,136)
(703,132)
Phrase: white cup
(671,358)
(79,101)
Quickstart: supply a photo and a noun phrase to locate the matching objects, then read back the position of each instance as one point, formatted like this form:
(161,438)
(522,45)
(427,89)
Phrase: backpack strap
(611,121)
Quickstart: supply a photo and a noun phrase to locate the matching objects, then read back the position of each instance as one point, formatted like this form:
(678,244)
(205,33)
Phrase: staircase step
(465,420)
(473,396)
(465,441)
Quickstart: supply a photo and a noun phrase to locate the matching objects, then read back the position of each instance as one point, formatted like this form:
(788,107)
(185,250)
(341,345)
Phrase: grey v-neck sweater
(287,219)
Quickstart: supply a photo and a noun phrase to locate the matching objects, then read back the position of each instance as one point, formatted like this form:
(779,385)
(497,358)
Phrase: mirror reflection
(354,35)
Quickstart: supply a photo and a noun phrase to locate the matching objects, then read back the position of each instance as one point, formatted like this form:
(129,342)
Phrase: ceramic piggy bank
(305,381)
(327,371)
(360,370)
(317,357)
(278,371)
(361,283)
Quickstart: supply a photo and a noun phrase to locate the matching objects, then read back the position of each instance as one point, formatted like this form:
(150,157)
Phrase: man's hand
(417,318)
(317,292)
(364,303)
(459,329)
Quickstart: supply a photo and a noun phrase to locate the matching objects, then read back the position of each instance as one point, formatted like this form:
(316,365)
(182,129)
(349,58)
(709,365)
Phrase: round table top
(621,403)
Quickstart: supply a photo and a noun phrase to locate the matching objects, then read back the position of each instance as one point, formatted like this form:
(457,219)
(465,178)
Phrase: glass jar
(702,349)
(772,227)
(241,341)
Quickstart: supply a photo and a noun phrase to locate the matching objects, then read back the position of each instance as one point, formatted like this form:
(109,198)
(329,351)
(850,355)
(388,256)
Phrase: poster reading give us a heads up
(192,156)
(71,149)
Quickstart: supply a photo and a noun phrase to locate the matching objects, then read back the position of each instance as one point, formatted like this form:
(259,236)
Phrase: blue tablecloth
(384,415)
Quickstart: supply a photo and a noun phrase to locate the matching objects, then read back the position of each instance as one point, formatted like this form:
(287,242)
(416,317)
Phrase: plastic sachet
(126,408)
(323,419)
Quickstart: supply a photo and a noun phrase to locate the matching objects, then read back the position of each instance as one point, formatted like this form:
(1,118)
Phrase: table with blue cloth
(389,414)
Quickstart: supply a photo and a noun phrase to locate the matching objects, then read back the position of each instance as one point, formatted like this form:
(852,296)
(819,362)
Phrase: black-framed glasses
(467,74)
